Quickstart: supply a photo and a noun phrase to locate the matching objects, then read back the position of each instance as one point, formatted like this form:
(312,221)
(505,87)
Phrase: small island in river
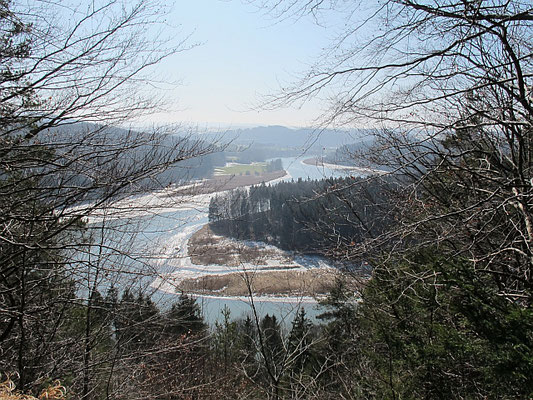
(213,264)
(262,269)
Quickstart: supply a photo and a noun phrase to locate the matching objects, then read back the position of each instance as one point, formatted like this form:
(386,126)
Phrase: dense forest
(310,216)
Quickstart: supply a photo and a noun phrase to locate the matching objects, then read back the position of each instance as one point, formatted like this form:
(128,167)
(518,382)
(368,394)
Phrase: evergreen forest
(307,216)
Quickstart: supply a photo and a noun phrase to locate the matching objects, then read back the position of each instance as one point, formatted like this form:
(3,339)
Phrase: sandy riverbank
(348,168)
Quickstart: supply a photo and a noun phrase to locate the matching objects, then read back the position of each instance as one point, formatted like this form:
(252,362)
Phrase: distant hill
(303,138)
(101,159)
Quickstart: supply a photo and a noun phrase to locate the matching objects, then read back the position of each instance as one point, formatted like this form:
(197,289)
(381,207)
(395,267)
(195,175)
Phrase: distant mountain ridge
(302,138)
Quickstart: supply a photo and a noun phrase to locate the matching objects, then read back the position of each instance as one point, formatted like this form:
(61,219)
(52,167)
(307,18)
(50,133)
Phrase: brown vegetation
(8,391)
(206,248)
(228,182)
(280,283)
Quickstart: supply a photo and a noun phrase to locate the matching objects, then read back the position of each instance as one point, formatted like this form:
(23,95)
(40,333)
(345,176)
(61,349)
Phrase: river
(160,241)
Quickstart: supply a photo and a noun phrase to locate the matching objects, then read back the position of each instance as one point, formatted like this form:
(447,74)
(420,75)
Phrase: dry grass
(279,283)
(53,392)
(206,248)
(228,182)
(283,277)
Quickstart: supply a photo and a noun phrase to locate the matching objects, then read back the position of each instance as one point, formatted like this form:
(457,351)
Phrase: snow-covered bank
(150,204)
(348,168)
(174,254)
(167,200)
(169,217)
(261,299)
(286,177)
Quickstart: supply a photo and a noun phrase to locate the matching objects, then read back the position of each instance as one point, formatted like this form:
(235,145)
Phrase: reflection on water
(285,312)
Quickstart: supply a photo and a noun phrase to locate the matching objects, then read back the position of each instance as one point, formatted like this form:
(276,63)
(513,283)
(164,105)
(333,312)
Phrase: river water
(158,234)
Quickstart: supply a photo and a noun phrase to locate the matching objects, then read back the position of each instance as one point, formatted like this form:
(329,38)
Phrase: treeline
(297,359)
(99,347)
(121,345)
(274,165)
(311,216)
(345,154)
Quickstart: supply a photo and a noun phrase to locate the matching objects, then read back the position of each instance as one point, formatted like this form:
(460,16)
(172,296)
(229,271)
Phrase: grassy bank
(265,269)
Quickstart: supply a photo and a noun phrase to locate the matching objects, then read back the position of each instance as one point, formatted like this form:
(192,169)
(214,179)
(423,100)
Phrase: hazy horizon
(242,55)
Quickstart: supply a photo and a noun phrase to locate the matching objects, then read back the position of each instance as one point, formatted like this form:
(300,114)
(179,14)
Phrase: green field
(242,169)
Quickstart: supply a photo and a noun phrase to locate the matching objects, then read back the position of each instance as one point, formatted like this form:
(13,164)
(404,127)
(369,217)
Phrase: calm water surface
(154,232)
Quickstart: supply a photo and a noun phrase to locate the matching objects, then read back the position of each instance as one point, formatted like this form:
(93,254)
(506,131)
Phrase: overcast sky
(242,55)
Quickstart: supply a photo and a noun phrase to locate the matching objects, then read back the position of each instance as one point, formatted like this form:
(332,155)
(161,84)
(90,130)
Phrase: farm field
(242,169)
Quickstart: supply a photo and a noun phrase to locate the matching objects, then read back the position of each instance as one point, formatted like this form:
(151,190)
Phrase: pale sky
(243,54)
